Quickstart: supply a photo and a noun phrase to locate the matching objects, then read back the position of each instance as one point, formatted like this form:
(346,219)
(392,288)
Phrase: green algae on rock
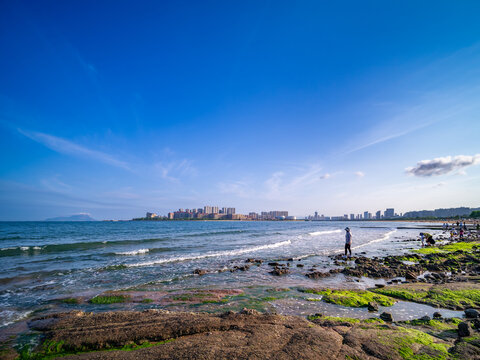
(459,246)
(404,344)
(351,298)
(456,296)
(109,299)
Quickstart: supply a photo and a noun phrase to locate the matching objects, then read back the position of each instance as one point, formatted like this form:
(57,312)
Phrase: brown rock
(317,275)
(279,271)
(199,272)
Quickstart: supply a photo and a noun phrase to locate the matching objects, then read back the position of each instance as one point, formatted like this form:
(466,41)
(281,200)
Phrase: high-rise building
(207,209)
(215,209)
(230,211)
(378,215)
(352,216)
(365,215)
(389,213)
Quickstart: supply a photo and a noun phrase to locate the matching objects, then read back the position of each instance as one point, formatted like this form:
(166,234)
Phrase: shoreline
(401,278)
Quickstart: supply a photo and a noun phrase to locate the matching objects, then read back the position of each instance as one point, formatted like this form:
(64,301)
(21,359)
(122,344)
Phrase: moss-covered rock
(457,296)
(459,246)
(351,298)
(109,299)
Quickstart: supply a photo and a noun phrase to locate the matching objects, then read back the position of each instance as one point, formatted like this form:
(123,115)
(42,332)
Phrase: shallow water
(400,311)
(42,261)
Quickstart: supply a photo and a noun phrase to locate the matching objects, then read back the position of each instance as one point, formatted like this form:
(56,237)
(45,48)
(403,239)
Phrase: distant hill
(78,217)
(440,213)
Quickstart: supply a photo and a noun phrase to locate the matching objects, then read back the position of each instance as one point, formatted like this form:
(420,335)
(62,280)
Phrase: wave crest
(215,254)
(133,252)
(317,233)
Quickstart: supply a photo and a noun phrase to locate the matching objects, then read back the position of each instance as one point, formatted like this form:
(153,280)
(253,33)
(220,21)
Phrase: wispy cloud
(67,147)
(172,170)
(445,96)
(280,184)
(385,138)
(55,184)
(237,188)
(443,165)
(325,176)
(360,174)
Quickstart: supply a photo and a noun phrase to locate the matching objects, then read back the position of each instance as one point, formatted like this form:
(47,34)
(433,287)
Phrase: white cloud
(443,165)
(360,174)
(70,148)
(325,176)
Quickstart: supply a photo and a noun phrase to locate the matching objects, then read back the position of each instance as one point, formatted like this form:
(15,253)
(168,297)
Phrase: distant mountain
(78,217)
(441,213)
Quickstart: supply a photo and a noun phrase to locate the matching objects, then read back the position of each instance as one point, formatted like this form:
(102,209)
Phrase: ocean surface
(44,261)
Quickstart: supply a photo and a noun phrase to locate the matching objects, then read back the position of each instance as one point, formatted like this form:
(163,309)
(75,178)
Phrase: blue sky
(115,108)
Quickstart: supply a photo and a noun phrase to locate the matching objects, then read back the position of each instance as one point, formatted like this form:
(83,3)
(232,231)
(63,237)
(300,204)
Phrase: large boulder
(372,306)
(386,316)
(464,329)
(471,313)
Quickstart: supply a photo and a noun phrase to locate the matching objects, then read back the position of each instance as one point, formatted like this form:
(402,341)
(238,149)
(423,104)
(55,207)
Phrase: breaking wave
(134,252)
(383,238)
(317,233)
(214,254)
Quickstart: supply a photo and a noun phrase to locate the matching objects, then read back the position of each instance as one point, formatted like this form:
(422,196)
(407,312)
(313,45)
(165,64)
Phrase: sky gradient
(115,108)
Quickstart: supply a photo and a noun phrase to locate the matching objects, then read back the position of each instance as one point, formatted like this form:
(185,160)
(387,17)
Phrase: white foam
(9,316)
(215,254)
(24,248)
(134,252)
(8,248)
(383,238)
(317,233)
(37,248)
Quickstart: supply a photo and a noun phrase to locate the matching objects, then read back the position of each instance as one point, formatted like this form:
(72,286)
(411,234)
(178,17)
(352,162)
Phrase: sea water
(44,261)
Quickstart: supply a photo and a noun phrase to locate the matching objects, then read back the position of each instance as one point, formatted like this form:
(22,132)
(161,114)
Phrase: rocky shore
(157,334)
(445,277)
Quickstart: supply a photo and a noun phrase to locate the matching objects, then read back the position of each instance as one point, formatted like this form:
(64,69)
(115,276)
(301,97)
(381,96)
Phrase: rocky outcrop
(244,335)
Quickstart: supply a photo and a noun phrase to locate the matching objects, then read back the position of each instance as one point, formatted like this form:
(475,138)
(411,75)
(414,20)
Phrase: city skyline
(115,108)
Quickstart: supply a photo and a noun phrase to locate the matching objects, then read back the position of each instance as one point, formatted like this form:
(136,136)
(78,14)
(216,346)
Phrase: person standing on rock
(348,241)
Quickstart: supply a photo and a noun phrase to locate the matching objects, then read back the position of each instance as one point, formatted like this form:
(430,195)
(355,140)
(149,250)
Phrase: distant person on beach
(427,239)
(348,241)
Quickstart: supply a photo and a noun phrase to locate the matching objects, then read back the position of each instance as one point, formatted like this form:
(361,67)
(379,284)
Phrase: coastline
(401,278)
